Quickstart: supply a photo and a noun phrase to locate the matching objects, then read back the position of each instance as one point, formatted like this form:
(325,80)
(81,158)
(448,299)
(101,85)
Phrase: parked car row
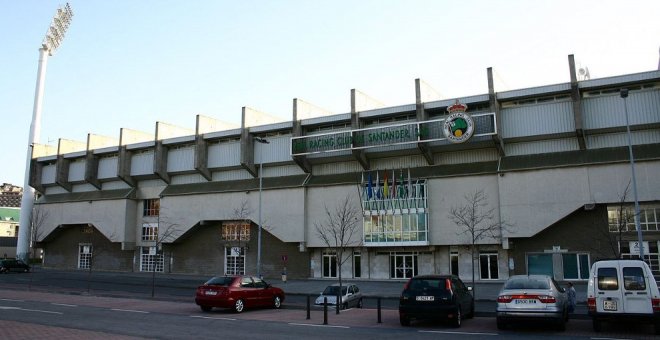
(617,290)
(13,265)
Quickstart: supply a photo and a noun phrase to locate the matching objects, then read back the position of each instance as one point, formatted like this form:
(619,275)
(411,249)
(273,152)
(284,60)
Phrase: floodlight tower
(51,42)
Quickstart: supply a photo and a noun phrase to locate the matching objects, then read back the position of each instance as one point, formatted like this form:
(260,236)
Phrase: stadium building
(547,170)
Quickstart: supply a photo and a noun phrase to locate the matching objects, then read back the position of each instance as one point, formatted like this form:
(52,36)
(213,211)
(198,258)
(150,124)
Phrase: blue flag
(369,188)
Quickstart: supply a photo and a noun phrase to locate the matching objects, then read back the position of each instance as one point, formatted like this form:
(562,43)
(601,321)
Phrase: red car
(237,293)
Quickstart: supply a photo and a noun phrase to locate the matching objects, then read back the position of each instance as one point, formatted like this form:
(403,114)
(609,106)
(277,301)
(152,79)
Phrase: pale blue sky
(128,64)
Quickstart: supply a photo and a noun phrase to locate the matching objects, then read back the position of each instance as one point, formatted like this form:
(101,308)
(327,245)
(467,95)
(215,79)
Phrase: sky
(130,63)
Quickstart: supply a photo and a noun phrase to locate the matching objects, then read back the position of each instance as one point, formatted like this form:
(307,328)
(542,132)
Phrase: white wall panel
(468,156)
(142,163)
(621,139)
(335,168)
(231,175)
(403,162)
(83,188)
(77,170)
(224,154)
(543,146)
(285,170)
(445,193)
(608,110)
(187,179)
(181,159)
(55,190)
(278,150)
(108,167)
(114,185)
(48,174)
(316,202)
(278,218)
(537,119)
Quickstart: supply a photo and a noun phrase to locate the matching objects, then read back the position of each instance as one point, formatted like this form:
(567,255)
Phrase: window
(84,256)
(246,282)
(540,264)
(403,265)
(149,231)
(151,207)
(329,264)
(235,260)
(236,231)
(357,264)
(489,266)
(576,266)
(453,262)
(151,260)
(633,278)
(607,279)
(624,218)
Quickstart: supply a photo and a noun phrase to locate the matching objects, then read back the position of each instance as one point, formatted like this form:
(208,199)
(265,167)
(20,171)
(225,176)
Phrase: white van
(623,289)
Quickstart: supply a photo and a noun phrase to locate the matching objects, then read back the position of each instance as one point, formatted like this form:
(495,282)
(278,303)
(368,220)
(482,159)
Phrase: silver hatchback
(532,297)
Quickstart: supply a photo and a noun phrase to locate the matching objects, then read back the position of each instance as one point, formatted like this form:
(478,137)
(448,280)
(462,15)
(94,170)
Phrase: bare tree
(98,246)
(477,221)
(39,216)
(339,231)
(608,233)
(236,232)
(166,233)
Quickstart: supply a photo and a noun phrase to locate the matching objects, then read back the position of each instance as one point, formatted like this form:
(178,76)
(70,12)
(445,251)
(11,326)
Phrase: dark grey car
(436,297)
(11,265)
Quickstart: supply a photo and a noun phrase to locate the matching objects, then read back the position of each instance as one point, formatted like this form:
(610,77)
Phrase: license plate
(524,301)
(609,305)
(210,292)
(425,298)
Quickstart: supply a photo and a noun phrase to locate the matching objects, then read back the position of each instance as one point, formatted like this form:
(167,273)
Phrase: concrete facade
(551,164)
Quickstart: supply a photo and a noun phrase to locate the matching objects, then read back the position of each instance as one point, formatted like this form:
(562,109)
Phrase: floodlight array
(57,29)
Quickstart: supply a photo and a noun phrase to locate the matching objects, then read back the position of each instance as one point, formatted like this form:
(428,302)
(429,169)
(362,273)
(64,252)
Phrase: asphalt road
(30,314)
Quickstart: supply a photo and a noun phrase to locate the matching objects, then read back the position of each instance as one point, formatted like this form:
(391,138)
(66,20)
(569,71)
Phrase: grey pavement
(387,289)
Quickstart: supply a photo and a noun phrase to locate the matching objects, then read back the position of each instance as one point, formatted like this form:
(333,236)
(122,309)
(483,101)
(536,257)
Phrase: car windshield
(527,283)
(220,281)
(333,290)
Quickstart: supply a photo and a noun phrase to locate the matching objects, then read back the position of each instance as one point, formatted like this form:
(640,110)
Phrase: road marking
(29,310)
(12,300)
(129,310)
(314,325)
(63,304)
(466,333)
(210,317)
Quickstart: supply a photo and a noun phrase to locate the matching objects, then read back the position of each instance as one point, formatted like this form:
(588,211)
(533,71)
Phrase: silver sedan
(532,297)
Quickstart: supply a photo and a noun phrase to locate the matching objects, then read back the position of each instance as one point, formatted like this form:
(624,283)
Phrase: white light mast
(51,42)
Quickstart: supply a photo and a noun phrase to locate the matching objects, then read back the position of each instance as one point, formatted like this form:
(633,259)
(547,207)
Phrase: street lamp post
(624,95)
(261,164)
(51,42)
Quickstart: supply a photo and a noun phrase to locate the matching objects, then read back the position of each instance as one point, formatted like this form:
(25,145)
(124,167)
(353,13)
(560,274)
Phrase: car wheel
(456,322)
(598,325)
(239,305)
(344,305)
(561,324)
(359,304)
(657,327)
(277,302)
(206,308)
(405,322)
(501,324)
